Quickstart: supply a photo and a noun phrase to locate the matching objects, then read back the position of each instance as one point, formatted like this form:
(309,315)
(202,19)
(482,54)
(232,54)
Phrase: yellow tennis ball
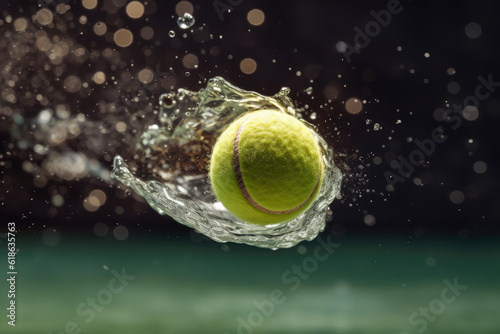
(266,167)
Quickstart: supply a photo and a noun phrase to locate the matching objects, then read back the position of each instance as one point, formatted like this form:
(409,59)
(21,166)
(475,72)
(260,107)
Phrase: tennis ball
(266,167)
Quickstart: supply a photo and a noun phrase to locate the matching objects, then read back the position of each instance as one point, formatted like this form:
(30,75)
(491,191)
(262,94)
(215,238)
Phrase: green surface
(368,285)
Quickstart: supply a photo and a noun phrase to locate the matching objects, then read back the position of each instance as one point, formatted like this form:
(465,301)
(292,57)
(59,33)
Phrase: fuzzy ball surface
(266,167)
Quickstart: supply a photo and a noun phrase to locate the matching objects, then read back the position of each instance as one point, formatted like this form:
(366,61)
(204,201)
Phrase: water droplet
(171,33)
(480,167)
(457,197)
(369,220)
(473,30)
(430,262)
(309,90)
(353,106)
(186,21)
(376,127)
(313,115)
(470,113)
(301,250)
(284,91)
(341,46)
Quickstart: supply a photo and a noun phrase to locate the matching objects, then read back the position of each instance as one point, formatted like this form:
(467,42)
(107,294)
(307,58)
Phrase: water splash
(186,21)
(176,153)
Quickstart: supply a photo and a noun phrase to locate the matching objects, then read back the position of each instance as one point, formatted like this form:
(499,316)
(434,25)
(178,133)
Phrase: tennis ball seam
(243,188)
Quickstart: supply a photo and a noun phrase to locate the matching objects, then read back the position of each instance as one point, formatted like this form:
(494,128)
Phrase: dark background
(302,35)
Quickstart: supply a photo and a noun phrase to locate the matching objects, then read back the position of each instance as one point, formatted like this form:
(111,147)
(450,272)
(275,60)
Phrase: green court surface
(376,285)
